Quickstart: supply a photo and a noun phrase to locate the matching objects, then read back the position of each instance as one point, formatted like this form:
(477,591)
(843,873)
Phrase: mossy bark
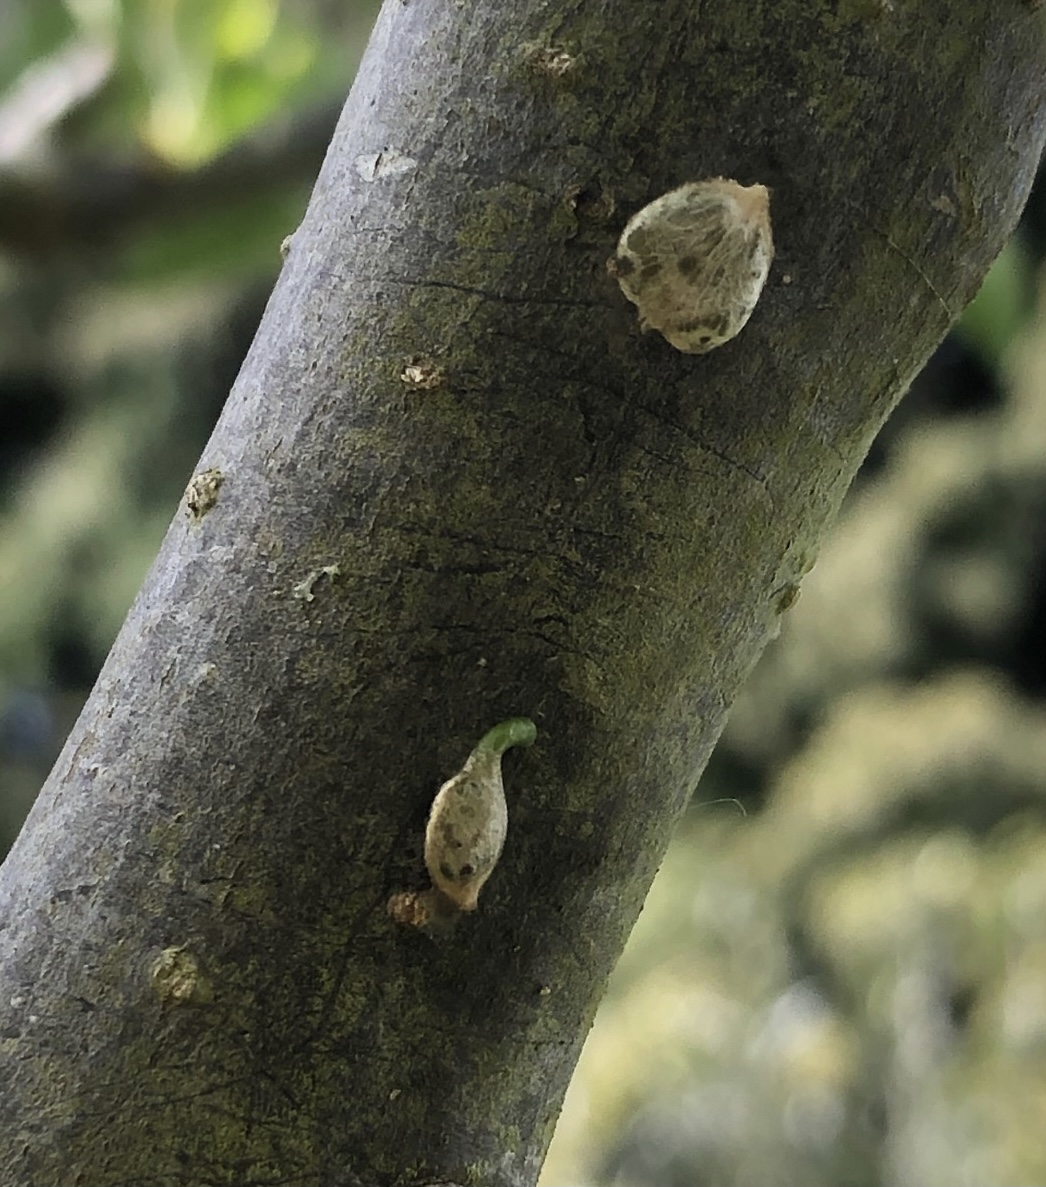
(561,518)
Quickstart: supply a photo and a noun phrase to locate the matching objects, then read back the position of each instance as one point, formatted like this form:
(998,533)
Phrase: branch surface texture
(454,484)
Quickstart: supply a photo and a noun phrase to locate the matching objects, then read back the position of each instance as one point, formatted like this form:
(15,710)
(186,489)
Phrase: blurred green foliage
(841,982)
(186,78)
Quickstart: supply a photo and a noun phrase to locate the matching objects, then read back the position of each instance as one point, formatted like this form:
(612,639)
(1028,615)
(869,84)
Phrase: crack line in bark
(503,298)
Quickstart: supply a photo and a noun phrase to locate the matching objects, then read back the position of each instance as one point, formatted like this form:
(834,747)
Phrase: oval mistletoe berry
(469,817)
(695,260)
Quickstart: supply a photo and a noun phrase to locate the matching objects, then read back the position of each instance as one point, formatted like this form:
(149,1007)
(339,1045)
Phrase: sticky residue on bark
(389,162)
(786,597)
(305,591)
(554,61)
(422,373)
(428,910)
(178,979)
(590,200)
(202,493)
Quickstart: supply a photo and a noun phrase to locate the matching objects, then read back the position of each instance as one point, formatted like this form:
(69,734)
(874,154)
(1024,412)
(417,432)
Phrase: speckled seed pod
(695,260)
(469,817)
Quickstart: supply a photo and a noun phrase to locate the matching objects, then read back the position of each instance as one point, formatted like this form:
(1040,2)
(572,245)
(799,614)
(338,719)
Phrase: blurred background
(839,978)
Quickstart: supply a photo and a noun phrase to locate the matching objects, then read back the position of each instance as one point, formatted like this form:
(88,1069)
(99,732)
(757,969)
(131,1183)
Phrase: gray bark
(200,982)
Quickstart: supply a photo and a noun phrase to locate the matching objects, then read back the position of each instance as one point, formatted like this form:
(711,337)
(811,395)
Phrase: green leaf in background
(212,70)
(1000,308)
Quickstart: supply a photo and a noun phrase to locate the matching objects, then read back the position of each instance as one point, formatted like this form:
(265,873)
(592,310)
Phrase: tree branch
(521,507)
